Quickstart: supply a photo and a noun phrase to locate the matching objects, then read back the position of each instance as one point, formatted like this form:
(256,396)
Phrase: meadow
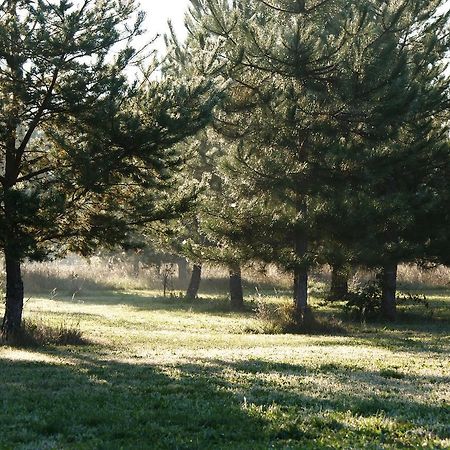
(164,373)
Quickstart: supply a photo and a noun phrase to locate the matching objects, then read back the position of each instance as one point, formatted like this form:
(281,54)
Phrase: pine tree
(404,140)
(81,149)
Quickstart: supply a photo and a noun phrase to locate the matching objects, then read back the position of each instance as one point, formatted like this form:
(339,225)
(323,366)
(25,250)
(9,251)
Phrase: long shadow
(96,403)
(92,403)
(140,300)
(413,333)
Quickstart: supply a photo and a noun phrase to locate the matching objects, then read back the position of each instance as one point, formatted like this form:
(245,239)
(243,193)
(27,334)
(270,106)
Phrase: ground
(163,373)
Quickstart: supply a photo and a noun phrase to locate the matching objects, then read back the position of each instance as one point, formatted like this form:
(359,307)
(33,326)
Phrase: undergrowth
(36,333)
(364,302)
(284,320)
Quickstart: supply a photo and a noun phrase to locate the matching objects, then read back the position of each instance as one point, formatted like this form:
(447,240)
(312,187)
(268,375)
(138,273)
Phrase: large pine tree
(81,149)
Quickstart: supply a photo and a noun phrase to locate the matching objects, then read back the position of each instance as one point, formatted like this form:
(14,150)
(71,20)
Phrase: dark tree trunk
(136,264)
(194,284)
(389,291)
(339,283)
(183,273)
(300,281)
(236,291)
(12,320)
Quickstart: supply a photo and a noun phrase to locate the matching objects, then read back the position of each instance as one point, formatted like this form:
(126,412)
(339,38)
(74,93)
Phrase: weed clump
(285,320)
(40,334)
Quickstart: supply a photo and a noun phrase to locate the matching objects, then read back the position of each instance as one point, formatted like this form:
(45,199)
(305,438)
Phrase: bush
(364,303)
(284,320)
(38,334)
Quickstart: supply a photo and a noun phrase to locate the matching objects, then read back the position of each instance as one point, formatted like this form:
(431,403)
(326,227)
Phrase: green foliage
(86,154)
(338,129)
(364,302)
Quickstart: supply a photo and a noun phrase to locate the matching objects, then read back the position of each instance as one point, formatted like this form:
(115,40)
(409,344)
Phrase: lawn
(163,373)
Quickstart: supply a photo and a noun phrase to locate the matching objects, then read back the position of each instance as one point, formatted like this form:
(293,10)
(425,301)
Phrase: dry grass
(414,275)
(75,275)
(38,333)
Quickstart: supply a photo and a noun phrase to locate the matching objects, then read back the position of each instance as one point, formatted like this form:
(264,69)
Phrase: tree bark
(236,291)
(12,320)
(339,283)
(194,284)
(136,264)
(183,274)
(300,281)
(389,291)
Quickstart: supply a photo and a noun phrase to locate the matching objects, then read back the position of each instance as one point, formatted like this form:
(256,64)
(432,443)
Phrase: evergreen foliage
(84,153)
(340,112)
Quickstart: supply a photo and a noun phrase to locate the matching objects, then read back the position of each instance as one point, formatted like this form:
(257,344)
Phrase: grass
(168,374)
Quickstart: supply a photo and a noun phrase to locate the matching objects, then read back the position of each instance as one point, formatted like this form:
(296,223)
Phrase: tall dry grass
(413,275)
(74,275)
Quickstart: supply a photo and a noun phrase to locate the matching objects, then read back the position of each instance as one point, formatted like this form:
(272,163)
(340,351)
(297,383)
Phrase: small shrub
(365,301)
(38,334)
(284,320)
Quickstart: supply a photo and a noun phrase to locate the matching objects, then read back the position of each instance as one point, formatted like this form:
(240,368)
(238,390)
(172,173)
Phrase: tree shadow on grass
(77,400)
(412,333)
(409,339)
(141,300)
(91,403)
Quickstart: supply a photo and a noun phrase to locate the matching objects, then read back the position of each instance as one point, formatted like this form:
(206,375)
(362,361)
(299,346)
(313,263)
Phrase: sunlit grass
(166,373)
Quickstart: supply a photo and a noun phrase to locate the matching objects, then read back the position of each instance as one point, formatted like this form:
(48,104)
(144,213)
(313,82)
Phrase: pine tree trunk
(194,284)
(136,264)
(183,274)
(300,281)
(339,283)
(389,290)
(301,270)
(236,291)
(12,320)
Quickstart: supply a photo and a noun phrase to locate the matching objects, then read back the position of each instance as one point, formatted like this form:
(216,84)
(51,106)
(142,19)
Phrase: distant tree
(201,234)
(81,149)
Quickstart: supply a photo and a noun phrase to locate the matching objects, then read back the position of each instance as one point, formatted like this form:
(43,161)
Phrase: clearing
(164,373)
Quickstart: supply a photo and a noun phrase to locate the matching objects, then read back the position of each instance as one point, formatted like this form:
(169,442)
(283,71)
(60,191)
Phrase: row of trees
(285,131)
(331,144)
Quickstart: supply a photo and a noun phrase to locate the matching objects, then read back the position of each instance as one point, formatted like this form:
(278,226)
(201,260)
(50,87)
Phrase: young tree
(80,148)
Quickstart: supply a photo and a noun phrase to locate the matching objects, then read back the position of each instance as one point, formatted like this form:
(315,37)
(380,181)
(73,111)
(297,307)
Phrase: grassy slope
(165,374)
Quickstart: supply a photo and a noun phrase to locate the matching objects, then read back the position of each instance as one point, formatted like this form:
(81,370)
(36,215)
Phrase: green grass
(163,373)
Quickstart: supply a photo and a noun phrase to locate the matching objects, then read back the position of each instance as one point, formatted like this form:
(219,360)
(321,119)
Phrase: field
(164,373)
